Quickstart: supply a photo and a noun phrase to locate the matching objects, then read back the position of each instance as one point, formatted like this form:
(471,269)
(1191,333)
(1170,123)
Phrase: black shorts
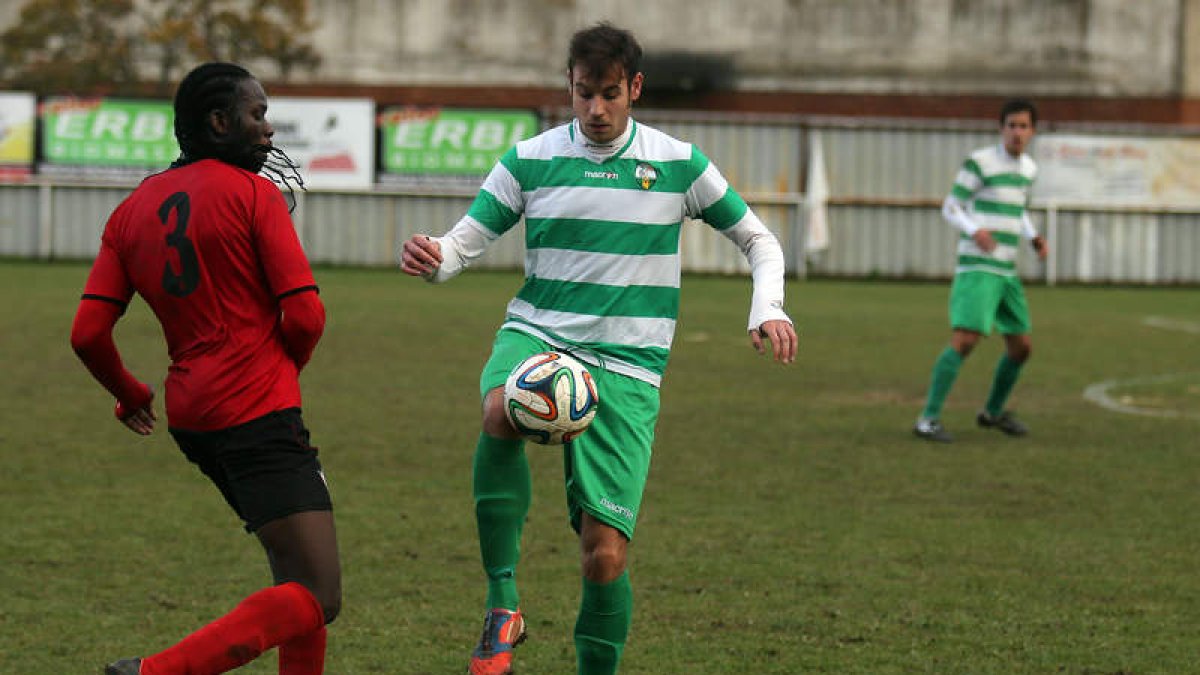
(265,468)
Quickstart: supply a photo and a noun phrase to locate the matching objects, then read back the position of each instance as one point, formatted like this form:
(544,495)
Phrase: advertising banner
(443,145)
(331,140)
(17,116)
(1117,170)
(106,138)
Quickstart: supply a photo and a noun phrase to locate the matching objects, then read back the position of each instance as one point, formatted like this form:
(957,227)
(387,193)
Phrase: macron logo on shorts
(622,511)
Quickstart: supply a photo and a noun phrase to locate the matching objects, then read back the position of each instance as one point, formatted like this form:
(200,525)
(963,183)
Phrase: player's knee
(965,346)
(332,610)
(495,421)
(603,563)
(331,604)
(499,428)
(326,589)
(963,342)
(1021,353)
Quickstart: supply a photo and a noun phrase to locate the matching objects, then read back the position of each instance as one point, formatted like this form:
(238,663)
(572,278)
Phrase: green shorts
(979,300)
(606,466)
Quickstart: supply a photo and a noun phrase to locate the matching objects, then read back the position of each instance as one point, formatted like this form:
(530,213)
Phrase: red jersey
(212,249)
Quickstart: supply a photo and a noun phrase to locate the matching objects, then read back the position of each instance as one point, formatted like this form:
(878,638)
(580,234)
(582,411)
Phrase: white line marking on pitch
(1172,324)
(1099,394)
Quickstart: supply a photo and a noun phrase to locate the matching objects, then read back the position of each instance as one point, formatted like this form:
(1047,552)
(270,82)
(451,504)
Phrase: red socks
(304,655)
(287,614)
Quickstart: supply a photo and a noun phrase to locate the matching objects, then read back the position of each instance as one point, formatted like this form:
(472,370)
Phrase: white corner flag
(816,192)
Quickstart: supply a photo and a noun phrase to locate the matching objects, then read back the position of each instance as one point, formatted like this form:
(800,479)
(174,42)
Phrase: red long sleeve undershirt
(302,324)
(91,338)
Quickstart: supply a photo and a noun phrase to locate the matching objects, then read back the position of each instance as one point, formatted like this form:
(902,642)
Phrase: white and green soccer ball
(550,398)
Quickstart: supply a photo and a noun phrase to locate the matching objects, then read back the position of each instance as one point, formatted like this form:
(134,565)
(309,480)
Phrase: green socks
(603,625)
(945,371)
(502,493)
(1007,372)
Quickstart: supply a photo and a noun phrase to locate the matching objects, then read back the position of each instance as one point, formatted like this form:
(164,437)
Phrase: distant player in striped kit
(988,205)
(604,200)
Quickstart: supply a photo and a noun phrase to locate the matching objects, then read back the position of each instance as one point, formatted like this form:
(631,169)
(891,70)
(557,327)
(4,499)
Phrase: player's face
(255,130)
(1017,130)
(245,134)
(602,104)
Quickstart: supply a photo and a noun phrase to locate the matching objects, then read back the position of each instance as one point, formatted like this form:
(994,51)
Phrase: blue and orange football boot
(502,631)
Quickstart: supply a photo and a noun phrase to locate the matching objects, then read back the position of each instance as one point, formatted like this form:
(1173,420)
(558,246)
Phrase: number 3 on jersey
(188,278)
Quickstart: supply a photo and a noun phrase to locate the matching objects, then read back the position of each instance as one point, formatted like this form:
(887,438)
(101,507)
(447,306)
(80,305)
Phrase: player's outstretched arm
(782,336)
(439,259)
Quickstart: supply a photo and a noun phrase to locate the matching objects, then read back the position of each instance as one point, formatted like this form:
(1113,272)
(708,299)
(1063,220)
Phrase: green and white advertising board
(421,145)
(103,136)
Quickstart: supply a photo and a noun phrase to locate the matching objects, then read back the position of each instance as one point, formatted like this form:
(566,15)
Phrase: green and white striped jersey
(602,229)
(991,191)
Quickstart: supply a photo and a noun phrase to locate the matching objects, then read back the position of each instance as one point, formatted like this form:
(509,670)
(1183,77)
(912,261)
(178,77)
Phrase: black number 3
(188,277)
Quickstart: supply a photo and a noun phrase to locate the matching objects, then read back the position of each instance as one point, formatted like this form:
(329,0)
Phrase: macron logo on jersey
(605,175)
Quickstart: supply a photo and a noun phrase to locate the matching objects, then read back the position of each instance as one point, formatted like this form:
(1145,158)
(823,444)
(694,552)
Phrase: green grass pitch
(791,523)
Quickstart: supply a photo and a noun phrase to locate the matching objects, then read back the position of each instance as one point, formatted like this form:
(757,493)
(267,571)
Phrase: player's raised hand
(782,336)
(420,256)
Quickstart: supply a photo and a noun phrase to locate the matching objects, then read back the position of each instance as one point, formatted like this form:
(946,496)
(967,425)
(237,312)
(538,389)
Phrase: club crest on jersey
(646,175)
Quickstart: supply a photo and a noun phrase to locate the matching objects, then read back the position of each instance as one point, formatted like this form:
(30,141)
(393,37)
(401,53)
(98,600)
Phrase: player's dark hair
(209,87)
(598,48)
(1018,105)
(216,86)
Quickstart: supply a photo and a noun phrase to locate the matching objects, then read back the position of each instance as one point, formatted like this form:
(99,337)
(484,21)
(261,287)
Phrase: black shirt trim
(302,289)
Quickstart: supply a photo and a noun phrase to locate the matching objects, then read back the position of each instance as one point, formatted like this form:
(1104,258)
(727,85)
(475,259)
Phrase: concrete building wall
(1038,47)
(1189,60)
(1102,60)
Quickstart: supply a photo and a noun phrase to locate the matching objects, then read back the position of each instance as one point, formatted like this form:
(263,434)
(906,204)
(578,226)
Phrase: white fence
(885,179)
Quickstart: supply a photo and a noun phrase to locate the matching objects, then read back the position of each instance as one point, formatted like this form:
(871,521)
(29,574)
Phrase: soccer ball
(550,398)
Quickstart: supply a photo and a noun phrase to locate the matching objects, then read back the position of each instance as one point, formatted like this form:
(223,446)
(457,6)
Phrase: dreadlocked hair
(212,86)
(283,172)
(215,86)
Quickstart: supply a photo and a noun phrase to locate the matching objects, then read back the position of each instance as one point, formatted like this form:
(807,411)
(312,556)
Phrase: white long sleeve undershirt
(765,255)
(955,213)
